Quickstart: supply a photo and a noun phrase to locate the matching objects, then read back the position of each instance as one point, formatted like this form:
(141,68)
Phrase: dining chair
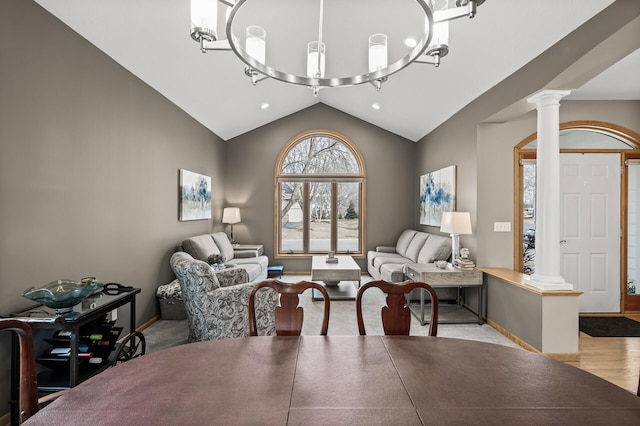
(28,401)
(396,316)
(28,381)
(288,315)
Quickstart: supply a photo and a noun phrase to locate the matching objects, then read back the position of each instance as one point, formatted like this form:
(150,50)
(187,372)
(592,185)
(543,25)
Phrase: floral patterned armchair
(218,309)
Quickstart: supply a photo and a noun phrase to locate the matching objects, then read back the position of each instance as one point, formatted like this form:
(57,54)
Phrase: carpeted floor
(609,327)
(342,321)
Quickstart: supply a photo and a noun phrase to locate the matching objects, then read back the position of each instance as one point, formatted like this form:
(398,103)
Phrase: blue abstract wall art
(437,195)
(195,196)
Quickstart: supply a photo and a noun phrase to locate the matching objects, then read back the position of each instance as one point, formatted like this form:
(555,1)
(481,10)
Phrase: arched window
(320,196)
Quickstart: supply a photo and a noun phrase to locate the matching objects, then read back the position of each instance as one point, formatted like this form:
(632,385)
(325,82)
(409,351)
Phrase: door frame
(628,303)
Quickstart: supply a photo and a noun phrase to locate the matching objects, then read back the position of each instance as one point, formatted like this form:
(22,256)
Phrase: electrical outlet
(501,226)
(114,315)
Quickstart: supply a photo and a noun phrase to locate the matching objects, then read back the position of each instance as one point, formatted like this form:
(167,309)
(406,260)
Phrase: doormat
(609,327)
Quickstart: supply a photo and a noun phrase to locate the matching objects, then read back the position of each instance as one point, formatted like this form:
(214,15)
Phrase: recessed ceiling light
(410,42)
(375,106)
(264,105)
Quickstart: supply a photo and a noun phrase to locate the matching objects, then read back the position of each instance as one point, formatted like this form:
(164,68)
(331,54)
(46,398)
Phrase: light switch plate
(501,226)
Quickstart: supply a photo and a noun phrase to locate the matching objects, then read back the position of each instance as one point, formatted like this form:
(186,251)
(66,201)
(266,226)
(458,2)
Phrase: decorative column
(547,274)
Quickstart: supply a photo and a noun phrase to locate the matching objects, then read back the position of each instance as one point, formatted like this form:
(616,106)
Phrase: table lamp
(231,215)
(456,223)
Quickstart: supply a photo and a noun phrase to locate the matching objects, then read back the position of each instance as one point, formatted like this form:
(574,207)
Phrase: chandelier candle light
(420,35)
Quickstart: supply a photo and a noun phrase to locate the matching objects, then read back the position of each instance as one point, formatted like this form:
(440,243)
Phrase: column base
(548,283)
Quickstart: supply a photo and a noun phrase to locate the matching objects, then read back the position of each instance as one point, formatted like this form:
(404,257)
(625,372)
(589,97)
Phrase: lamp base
(233,240)
(455,246)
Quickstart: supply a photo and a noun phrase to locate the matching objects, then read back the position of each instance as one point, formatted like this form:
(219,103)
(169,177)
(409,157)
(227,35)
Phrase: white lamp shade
(231,215)
(456,223)
(204,15)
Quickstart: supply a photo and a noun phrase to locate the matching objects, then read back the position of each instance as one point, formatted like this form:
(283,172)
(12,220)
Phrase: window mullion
(306,217)
(334,216)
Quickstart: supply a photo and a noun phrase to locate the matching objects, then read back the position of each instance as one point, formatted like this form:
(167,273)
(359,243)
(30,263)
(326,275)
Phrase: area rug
(167,333)
(609,327)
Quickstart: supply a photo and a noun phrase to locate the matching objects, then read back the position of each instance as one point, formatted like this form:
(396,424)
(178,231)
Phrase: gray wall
(447,146)
(388,158)
(89,160)
(517,310)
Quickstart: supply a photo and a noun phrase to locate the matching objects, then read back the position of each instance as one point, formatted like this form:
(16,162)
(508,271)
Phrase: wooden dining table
(343,380)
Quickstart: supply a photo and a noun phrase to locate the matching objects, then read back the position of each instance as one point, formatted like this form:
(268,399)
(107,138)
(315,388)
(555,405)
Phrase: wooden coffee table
(331,274)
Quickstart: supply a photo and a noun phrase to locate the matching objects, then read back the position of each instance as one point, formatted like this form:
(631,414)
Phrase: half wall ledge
(546,321)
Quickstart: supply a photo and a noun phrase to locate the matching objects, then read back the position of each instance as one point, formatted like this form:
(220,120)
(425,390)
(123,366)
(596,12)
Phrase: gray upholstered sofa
(247,263)
(413,247)
(202,246)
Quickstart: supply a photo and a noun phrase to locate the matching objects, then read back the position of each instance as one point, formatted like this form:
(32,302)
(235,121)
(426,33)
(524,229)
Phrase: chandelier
(300,50)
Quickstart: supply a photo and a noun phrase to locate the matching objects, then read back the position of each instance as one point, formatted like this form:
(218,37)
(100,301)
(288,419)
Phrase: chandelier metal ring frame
(421,53)
(334,81)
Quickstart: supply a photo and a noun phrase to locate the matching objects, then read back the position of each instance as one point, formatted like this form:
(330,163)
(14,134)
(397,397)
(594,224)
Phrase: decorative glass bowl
(63,295)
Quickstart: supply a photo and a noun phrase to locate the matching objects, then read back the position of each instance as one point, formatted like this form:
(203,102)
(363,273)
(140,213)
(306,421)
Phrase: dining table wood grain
(349,380)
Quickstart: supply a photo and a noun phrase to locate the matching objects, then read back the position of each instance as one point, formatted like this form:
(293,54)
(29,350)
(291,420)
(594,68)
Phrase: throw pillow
(416,245)
(223,243)
(200,247)
(435,248)
(404,240)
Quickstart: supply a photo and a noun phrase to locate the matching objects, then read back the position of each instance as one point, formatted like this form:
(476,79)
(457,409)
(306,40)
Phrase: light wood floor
(616,359)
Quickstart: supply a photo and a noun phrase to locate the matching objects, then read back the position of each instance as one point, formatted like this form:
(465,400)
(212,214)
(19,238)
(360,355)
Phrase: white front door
(590,228)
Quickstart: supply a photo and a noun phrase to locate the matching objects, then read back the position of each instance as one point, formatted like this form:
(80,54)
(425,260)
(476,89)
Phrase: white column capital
(548,97)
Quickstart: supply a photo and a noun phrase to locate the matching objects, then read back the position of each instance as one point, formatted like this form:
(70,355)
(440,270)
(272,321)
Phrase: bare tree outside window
(529,215)
(320,191)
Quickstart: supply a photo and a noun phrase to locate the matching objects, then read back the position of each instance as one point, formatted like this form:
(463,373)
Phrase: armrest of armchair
(232,276)
(386,249)
(243,254)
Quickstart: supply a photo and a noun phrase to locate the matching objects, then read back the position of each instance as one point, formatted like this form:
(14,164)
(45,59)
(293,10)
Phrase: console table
(448,277)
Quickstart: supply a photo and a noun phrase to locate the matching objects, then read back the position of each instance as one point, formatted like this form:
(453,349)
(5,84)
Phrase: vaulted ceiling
(151,39)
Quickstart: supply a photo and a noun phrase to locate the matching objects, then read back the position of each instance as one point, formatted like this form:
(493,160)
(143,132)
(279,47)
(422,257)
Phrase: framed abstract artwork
(437,195)
(195,196)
